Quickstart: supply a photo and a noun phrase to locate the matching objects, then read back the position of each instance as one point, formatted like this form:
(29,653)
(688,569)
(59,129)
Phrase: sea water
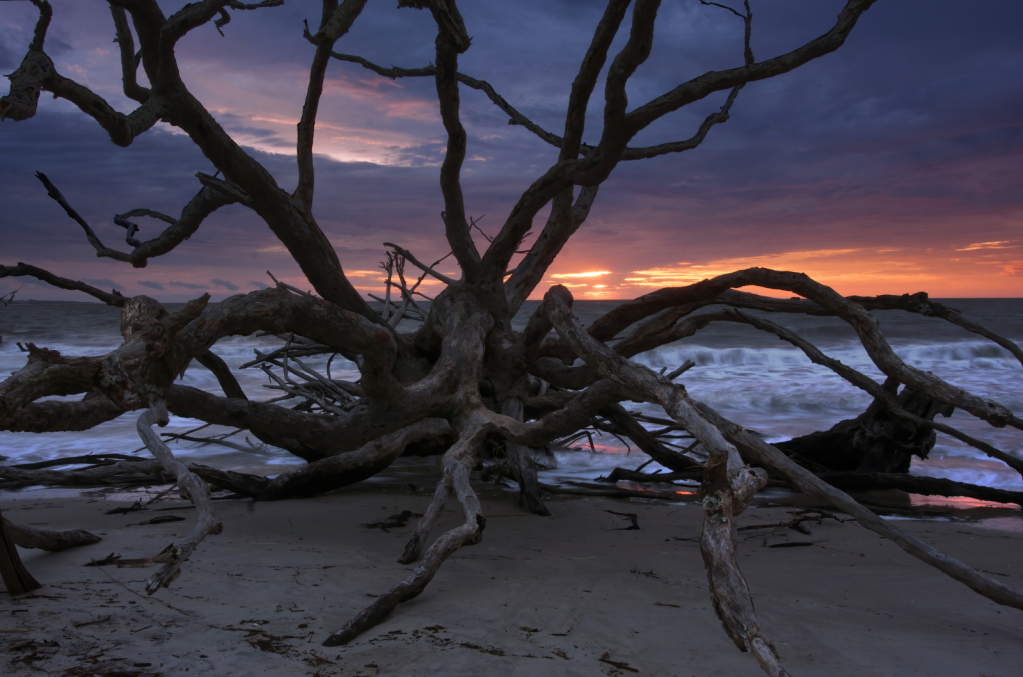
(749,376)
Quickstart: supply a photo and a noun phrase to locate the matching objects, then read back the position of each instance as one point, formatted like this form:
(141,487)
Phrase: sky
(893,165)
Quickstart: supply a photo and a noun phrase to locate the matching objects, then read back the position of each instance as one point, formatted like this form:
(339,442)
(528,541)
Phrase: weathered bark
(523,467)
(47,539)
(339,471)
(458,462)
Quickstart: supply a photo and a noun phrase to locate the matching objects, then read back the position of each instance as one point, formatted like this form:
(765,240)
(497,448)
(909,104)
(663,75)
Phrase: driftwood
(14,574)
(47,539)
(458,379)
(875,441)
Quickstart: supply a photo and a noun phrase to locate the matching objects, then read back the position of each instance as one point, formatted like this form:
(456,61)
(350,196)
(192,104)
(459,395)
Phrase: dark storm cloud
(914,119)
(230,286)
(151,284)
(186,285)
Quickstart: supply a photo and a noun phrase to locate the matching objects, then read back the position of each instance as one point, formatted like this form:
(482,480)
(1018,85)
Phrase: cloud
(1003,244)
(230,286)
(844,153)
(187,285)
(102,282)
(592,273)
(151,284)
(259,285)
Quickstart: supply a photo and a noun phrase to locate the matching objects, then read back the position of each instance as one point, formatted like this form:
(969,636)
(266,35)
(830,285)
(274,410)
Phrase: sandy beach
(539,596)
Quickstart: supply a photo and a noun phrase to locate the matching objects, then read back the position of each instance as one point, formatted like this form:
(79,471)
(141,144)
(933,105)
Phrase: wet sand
(539,596)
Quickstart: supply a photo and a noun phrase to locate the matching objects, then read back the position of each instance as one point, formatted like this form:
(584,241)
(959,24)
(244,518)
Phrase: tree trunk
(875,441)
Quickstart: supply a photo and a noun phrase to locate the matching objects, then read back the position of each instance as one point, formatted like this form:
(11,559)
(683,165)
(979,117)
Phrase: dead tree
(464,377)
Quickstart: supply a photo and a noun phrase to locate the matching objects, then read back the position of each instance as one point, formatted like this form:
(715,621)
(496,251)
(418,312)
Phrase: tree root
(458,463)
(197,490)
(728,485)
(523,468)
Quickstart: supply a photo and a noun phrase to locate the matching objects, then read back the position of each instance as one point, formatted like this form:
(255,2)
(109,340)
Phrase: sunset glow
(907,193)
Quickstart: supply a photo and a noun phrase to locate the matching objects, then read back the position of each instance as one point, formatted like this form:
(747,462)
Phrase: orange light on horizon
(593,273)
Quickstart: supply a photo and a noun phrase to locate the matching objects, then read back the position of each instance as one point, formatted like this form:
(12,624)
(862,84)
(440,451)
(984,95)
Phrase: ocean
(750,377)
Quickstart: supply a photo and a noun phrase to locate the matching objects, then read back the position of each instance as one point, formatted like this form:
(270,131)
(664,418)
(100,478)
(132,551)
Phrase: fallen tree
(464,381)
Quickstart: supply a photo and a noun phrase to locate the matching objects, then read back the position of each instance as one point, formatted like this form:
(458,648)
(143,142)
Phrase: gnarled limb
(112,298)
(339,471)
(451,41)
(129,60)
(458,462)
(205,202)
(197,490)
(26,82)
(47,539)
(523,468)
(727,488)
(46,373)
(335,22)
(101,249)
(56,416)
(714,81)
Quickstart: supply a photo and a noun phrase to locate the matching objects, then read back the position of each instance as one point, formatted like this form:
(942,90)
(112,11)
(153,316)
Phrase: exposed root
(727,488)
(197,490)
(458,463)
(523,468)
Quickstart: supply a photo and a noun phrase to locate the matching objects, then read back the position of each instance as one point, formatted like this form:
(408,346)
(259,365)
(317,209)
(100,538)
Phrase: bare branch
(336,21)
(8,298)
(39,34)
(205,202)
(452,40)
(556,233)
(586,79)
(101,249)
(714,81)
(457,463)
(112,298)
(422,266)
(129,59)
